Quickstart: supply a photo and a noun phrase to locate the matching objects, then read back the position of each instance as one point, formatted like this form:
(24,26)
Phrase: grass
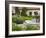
(22,18)
(19,27)
(14,18)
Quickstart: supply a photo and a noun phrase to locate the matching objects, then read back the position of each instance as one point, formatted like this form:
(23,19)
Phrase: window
(30,13)
(35,13)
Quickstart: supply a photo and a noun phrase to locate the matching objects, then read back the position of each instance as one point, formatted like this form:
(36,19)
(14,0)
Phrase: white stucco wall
(33,12)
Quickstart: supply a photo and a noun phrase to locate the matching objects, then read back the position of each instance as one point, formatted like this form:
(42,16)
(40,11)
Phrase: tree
(23,13)
(17,11)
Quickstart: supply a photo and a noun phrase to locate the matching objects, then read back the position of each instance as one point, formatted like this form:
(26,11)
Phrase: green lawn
(20,27)
(14,18)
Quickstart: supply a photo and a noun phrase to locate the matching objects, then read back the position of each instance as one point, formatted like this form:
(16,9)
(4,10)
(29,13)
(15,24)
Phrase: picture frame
(19,5)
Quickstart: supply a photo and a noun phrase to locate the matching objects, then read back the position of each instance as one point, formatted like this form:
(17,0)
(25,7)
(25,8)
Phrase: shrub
(33,27)
(13,26)
(13,19)
(23,13)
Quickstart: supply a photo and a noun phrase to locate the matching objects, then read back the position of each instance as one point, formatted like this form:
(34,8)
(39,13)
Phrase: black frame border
(7,17)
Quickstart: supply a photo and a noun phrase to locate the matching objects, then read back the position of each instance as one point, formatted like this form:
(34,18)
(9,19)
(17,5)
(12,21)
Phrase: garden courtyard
(23,19)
